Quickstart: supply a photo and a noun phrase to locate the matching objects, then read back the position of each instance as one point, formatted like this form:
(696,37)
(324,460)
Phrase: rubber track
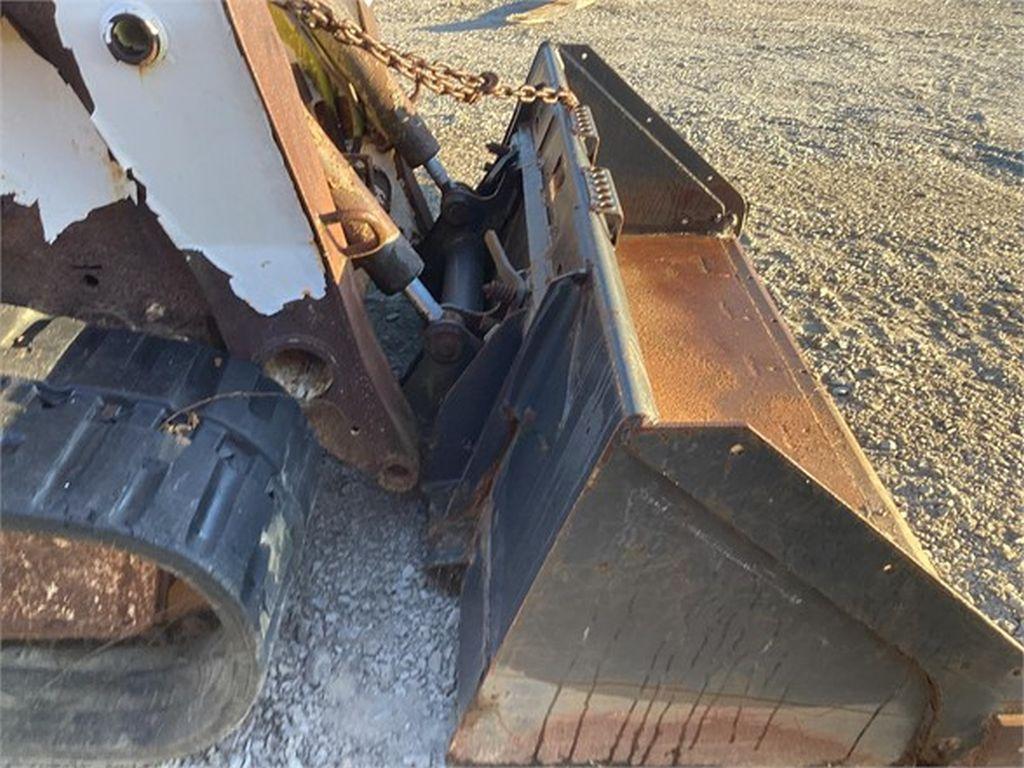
(87,452)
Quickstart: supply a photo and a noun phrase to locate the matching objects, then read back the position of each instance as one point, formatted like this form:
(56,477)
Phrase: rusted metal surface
(366,224)
(363,417)
(121,269)
(682,557)
(56,589)
(700,601)
(716,350)
(652,633)
(268,63)
(374,241)
(665,724)
(115,268)
(336,32)
(1004,742)
(388,106)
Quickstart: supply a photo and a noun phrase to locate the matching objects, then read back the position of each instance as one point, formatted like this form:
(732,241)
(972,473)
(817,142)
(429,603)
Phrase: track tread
(88,452)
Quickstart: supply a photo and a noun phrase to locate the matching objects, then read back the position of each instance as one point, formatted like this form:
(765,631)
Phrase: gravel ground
(880,146)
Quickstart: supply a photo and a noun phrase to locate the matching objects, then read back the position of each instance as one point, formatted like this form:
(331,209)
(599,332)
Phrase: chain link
(437,76)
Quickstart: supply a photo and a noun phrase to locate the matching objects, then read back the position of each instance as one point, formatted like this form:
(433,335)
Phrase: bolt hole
(397,477)
(1016,672)
(301,373)
(355,429)
(397,471)
(132,39)
(91,280)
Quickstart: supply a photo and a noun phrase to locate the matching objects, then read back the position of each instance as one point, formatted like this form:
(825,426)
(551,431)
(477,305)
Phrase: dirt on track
(881,148)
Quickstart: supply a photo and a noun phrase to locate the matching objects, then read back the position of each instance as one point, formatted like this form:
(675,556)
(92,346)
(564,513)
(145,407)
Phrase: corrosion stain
(684,727)
(55,589)
(716,352)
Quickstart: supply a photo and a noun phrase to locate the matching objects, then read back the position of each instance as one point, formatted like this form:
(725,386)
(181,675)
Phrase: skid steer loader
(670,549)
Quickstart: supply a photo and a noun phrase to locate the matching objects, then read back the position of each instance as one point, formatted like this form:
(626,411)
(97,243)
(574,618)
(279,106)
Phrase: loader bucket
(682,556)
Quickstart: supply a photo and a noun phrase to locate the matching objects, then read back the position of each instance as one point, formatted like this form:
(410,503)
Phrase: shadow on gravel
(490,20)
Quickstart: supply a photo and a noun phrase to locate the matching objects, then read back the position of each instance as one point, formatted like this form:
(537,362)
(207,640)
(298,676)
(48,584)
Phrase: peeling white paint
(51,154)
(193,131)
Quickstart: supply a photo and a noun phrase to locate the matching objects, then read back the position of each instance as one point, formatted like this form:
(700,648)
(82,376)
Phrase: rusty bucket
(682,556)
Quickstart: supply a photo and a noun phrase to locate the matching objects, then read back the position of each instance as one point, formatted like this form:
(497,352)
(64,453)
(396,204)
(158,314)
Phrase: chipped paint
(53,155)
(194,133)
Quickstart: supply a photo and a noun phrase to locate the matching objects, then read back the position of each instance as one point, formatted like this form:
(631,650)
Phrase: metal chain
(437,76)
